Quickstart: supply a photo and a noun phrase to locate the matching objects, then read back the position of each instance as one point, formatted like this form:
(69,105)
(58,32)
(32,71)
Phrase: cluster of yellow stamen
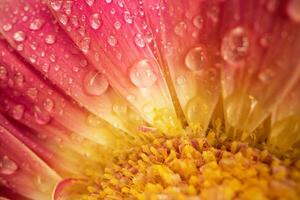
(190,168)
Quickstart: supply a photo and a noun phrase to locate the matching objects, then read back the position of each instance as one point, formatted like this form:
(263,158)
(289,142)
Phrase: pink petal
(47,48)
(107,33)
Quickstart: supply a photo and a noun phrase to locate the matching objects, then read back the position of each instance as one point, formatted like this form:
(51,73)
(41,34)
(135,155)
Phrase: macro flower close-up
(149,99)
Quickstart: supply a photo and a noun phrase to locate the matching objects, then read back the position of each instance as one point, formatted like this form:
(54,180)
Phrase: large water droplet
(198,21)
(293,10)
(180,29)
(36,24)
(8,166)
(3,73)
(95,83)
(195,108)
(112,41)
(84,45)
(18,112)
(40,116)
(235,45)
(56,4)
(139,41)
(19,36)
(142,75)
(95,21)
(89,2)
(50,39)
(196,58)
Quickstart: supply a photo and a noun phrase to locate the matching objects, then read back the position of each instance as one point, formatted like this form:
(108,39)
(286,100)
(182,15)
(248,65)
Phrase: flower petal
(105,31)
(187,40)
(22,171)
(47,48)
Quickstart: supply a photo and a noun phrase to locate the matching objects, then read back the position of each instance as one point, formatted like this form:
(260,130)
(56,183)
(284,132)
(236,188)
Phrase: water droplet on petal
(19,36)
(195,106)
(120,109)
(112,41)
(7,27)
(63,19)
(89,2)
(56,4)
(36,24)
(95,83)
(3,73)
(142,75)
(117,25)
(235,45)
(7,166)
(95,21)
(293,10)
(19,79)
(108,1)
(198,22)
(128,17)
(130,98)
(41,117)
(196,58)
(18,112)
(48,104)
(180,29)
(84,45)
(139,41)
(32,92)
(50,39)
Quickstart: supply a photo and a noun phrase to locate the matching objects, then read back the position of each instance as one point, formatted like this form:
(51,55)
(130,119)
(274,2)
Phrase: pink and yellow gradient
(139,99)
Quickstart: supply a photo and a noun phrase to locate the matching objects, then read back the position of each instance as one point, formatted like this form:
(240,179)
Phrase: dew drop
(45,67)
(93,120)
(180,29)
(130,98)
(108,1)
(198,22)
(142,75)
(7,27)
(95,83)
(195,106)
(41,117)
(120,109)
(36,24)
(95,21)
(32,93)
(8,166)
(50,39)
(235,45)
(18,112)
(56,4)
(117,25)
(63,19)
(127,17)
(293,10)
(19,36)
(3,73)
(19,79)
(196,58)
(89,2)
(48,104)
(84,45)
(112,41)
(139,41)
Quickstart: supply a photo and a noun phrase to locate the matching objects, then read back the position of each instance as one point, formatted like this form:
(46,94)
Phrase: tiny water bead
(3,73)
(56,4)
(84,45)
(142,75)
(40,116)
(36,24)
(198,21)
(196,58)
(95,21)
(95,83)
(112,41)
(139,41)
(89,2)
(18,112)
(7,166)
(48,104)
(50,39)
(235,45)
(19,36)
(180,29)
(7,27)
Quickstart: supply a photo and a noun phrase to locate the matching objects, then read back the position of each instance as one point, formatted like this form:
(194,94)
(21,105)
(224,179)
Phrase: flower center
(191,168)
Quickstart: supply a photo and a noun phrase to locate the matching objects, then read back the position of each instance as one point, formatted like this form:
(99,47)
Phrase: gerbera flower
(149,99)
